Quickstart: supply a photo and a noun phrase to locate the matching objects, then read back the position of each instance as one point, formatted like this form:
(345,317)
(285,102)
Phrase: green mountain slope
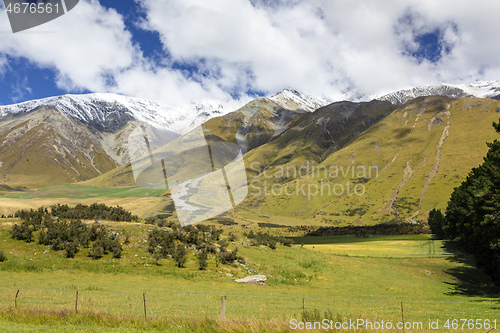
(351,163)
(398,169)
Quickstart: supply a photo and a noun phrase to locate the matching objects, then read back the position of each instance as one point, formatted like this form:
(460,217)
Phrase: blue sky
(183,51)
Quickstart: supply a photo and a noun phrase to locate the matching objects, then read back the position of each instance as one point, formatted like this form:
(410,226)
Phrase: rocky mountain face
(47,147)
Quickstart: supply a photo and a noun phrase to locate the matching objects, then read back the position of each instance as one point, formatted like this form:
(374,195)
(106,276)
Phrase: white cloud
(20,89)
(81,45)
(323,47)
(327,47)
(91,49)
(3,64)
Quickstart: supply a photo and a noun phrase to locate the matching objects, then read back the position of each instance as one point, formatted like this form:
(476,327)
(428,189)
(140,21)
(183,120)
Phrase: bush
(117,250)
(232,237)
(261,238)
(223,244)
(22,232)
(202,260)
(228,257)
(67,235)
(127,239)
(96,252)
(2,257)
(71,249)
(286,241)
(57,244)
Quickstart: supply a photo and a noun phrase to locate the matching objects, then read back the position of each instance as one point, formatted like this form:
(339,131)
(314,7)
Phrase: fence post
(15,300)
(144,299)
(402,316)
(223,308)
(303,310)
(76,303)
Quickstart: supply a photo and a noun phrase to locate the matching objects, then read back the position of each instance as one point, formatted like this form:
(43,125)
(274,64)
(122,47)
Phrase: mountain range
(421,142)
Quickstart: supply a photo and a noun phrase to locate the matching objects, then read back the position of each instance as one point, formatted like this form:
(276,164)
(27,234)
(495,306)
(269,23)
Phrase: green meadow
(74,191)
(338,277)
(403,246)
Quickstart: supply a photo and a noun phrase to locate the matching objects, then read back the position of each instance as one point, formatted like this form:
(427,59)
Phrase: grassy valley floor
(338,278)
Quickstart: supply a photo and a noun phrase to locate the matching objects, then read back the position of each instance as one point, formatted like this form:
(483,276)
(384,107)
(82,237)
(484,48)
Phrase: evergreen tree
(473,212)
(436,223)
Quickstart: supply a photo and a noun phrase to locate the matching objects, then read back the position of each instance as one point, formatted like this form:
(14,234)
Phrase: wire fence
(215,306)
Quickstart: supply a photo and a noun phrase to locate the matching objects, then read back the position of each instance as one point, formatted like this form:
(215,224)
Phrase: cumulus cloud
(81,47)
(233,49)
(91,49)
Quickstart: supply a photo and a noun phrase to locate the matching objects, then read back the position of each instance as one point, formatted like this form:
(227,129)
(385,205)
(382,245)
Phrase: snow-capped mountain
(482,89)
(72,138)
(108,112)
(294,100)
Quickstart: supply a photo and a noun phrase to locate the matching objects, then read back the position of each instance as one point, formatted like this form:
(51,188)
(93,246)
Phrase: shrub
(232,237)
(202,260)
(57,244)
(127,239)
(97,251)
(22,232)
(2,257)
(286,241)
(117,250)
(223,244)
(227,257)
(260,238)
(71,249)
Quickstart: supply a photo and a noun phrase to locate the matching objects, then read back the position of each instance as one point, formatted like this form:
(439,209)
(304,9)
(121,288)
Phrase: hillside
(402,160)
(403,166)
(45,147)
(256,123)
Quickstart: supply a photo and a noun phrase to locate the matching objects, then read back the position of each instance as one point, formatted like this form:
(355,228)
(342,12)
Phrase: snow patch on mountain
(481,89)
(402,96)
(294,100)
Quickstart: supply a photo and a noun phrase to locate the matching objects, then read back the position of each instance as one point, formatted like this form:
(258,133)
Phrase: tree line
(94,211)
(378,229)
